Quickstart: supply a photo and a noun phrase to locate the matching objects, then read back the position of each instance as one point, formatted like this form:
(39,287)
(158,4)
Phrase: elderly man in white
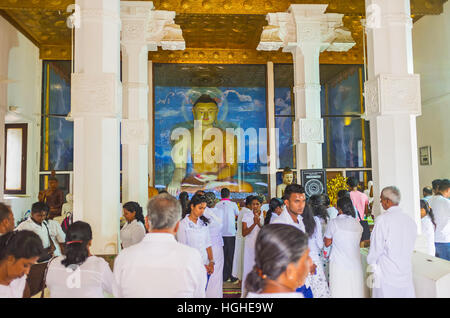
(159,266)
(391,247)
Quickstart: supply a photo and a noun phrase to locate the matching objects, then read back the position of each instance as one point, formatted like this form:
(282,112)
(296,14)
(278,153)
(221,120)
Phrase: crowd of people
(293,246)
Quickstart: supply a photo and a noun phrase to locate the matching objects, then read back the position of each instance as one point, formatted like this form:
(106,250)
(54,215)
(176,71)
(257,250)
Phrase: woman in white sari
(346,272)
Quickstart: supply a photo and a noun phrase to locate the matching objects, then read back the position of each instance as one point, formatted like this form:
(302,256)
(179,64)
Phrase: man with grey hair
(159,266)
(391,247)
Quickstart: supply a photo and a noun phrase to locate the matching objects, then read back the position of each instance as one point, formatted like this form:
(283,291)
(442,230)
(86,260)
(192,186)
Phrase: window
(16,158)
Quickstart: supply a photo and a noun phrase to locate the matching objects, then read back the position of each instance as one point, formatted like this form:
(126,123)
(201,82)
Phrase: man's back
(159,267)
(441,210)
(229,211)
(391,246)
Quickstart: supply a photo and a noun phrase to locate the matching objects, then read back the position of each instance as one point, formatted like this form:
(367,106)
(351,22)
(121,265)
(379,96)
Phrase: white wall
(19,61)
(431,45)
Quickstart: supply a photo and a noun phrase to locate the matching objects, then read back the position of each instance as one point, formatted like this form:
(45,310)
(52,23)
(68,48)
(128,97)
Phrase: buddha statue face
(288,178)
(206,112)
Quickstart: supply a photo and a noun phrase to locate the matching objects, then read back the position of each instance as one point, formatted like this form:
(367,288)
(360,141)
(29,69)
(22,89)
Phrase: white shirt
(90,280)
(195,235)
(132,233)
(215,225)
(239,222)
(15,289)
(248,219)
(264,208)
(391,247)
(315,241)
(229,211)
(346,234)
(332,212)
(441,210)
(428,232)
(159,267)
(54,228)
(285,218)
(275,295)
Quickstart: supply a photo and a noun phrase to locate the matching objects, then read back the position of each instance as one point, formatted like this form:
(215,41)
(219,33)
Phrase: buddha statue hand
(174,187)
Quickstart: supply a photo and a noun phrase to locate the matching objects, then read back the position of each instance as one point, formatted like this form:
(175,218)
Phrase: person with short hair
(428,226)
(360,200)
(6,219)
(159,266)
(19,251)
(230,212)
(282,263)
(134,229)
(52,237)
(344,234)
(391,248)
(79,274)
(441,209)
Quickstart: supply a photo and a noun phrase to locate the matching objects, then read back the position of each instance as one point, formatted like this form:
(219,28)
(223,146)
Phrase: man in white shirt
(6,219)
(294,204)
(159,266)
(391,247)
(441,209)
(230,212)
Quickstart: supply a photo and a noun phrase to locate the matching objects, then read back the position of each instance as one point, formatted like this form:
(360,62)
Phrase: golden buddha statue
(288,178)
(214,160)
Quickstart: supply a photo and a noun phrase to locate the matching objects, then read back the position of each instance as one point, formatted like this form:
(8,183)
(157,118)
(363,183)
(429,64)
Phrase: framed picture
(425,156)
(314,181)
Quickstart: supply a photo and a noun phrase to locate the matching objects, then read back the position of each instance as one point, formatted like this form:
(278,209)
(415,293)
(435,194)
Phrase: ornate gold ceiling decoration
(226,27)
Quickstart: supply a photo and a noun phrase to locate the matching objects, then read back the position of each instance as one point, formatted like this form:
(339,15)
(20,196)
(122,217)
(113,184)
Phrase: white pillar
(392,96)
(135,17)
(273,159)
(151,146)
(96,109)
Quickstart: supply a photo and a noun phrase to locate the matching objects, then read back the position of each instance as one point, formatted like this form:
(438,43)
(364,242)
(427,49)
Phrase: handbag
(48,252)
(366,229)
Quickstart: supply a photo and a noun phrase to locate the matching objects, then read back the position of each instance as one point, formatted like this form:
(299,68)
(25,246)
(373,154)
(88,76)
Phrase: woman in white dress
(346,272)
(252,223)
(215,284)
(275,209)
(193,231)
(282,263)
(428,226)
(79,274)
(313,227)
(19,250)
(238,257)
(134,229)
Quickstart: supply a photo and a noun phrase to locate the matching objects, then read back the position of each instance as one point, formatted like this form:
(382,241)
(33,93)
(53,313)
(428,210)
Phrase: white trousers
(388,291)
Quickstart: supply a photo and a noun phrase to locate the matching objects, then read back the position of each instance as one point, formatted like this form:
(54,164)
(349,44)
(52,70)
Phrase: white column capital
(389,94)
(95,94)
(310,130)
(135,132)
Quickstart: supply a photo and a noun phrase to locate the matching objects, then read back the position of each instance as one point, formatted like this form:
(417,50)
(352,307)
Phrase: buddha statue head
(206,110)
(288,176)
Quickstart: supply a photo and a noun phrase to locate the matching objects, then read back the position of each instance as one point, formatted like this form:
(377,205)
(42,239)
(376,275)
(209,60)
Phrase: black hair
(352,182)
(427,191)
(4,211)
(319,206)
(308,220)
(135,207)
(184,201)
(77,239)
(346,205)
(210,199)
(248,200)
(196,200)
(327,200)
(224,193)
(292,188)
(258,198)
(199,192)
(343,193)
(444,185)
(39,207)
(273,204)
(20,244)
(205,98)
(435,184)
(426,206)
(277,246)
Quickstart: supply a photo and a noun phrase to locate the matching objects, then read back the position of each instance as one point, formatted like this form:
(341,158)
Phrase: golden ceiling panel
(36,4)
(247,56)
(221,31)
(55,52)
